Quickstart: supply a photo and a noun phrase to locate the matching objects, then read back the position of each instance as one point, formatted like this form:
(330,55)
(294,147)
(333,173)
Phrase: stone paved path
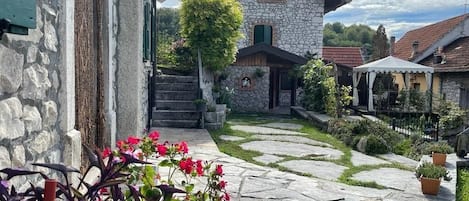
(249,182)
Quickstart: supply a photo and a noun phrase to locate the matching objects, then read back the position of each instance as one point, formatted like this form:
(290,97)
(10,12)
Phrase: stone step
(176,95)
(176,86)
(175,115)
(175,79)
(175,105)
(175,123)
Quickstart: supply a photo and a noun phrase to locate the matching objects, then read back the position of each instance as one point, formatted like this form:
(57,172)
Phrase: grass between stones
(233,148)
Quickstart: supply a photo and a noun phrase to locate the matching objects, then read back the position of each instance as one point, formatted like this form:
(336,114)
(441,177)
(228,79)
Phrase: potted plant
(430,177)
(200,105)
(438,152)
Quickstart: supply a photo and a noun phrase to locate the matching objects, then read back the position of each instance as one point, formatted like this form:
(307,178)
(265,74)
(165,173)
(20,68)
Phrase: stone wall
(285,98)
(35,125)
(297,24)
(254,98)
(451,84)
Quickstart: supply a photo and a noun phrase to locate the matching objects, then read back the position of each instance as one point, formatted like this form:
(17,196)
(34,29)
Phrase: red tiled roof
(457,57)
(349,56)
(426,36)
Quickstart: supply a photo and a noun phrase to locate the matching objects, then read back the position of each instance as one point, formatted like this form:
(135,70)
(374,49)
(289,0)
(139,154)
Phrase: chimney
(415,49)
(392,45)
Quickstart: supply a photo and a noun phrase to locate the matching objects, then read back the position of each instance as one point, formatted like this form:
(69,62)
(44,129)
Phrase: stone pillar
(130,69)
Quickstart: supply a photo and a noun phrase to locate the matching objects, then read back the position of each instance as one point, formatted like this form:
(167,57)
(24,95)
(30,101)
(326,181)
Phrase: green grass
(462,186)
(233,148)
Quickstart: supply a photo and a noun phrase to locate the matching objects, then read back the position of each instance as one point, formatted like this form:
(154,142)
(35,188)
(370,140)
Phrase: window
(285,81)
(263,34)
(417,86)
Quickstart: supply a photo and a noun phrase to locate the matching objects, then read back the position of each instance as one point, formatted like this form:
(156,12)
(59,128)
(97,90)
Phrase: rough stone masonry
(31,93)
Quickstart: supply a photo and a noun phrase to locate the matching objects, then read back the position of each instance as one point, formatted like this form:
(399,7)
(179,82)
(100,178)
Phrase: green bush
(375,145)
(429,170)
(390,137)
(462,186)
(403,148)
(439,147)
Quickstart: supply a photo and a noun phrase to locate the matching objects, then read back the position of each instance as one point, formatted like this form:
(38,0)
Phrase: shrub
(403,148)
(451,116)
(462,190)
(429,170)
(390,137)
(375,145)
(439,147)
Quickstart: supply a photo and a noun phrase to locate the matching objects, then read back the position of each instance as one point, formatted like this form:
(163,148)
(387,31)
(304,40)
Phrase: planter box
(430,186)
(439,159)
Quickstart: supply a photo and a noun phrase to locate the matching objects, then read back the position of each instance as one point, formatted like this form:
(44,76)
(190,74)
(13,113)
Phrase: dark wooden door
(89,72)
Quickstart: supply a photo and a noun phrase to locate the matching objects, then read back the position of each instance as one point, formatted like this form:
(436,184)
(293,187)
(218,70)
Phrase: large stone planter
(215,120)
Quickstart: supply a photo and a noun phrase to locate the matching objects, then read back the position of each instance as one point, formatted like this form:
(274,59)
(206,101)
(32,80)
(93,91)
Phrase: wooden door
(89,72)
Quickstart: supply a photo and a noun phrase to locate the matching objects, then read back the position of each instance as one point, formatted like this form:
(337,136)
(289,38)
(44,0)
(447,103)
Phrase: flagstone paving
(291,149)
(284,126)
(322,169)
(231,138)
(359,158)
(249,182)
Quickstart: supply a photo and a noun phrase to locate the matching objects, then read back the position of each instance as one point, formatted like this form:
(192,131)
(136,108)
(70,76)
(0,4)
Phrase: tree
(339,35)
(168,22)
(213,27)
(380,44)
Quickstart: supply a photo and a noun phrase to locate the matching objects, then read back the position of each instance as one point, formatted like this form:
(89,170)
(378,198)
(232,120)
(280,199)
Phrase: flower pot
(439,159)
(430,186)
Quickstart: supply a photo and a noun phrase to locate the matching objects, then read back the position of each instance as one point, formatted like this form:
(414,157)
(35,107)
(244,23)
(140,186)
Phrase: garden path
(284,146)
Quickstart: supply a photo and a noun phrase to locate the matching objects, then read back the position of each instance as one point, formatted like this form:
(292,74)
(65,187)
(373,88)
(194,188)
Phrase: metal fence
(423,124)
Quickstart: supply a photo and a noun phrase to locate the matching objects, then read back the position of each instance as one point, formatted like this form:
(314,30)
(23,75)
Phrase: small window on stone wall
(263,34)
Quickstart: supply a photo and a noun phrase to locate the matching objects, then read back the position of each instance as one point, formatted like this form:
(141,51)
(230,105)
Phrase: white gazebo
(389,64)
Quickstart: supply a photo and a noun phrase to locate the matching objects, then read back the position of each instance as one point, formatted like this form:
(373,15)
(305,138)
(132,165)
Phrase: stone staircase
(174,102)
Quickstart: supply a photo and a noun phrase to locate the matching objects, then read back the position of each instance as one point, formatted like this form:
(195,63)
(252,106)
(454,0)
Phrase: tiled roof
(426,36)
(457,57)
(348,56)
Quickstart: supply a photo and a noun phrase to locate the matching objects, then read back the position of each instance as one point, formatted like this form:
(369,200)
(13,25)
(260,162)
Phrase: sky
(397,16)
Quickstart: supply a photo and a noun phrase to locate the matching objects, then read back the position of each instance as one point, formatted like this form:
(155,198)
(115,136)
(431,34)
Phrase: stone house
(445,47)
(277,35)
(73,77)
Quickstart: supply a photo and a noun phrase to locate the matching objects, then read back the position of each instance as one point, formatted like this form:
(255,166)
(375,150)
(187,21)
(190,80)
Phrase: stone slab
(264,130)
(399,159)
(392,178)
(359,158)
(285,126)
(296,139)
(268,158)
(321,169)
(291,149)
(231,138)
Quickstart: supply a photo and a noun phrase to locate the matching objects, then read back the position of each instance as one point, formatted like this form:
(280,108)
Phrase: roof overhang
(331,5)
(271,50)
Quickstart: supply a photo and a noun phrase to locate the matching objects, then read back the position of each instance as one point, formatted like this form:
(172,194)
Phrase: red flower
(162,149)
(154,135)
(199,168)
(186,165)
(120,144)
(106,152)
(133,140)
(219,170)
(182,147)
(226,197)
(222,184)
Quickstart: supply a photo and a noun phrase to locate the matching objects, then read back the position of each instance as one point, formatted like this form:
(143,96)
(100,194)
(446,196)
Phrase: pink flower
(219,170)
(226,197)
(222,184)
(199,168)
(106,152)
(162,149)
(133,140)
(182,147)
(121,144)
(186,165)
(155,135)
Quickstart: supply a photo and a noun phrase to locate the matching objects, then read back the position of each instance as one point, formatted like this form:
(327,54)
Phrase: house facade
(445,47)
(277,35)
(68,77)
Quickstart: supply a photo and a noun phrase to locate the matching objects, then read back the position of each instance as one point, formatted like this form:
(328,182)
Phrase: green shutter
(20,13)
(268,35)
(146,31)
(258,34)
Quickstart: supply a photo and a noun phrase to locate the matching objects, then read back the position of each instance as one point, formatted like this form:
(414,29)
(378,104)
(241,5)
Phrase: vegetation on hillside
(339,35)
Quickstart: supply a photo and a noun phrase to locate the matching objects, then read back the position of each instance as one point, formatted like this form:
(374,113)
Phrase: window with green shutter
(17,16)
(147,30)
(263,34)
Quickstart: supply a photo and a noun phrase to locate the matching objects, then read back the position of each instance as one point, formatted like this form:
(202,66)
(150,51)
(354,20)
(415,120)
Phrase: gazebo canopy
(389,64)
(392,64)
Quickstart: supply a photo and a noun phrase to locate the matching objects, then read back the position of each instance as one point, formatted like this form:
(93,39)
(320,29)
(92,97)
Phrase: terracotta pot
(439,159)
(430,186)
